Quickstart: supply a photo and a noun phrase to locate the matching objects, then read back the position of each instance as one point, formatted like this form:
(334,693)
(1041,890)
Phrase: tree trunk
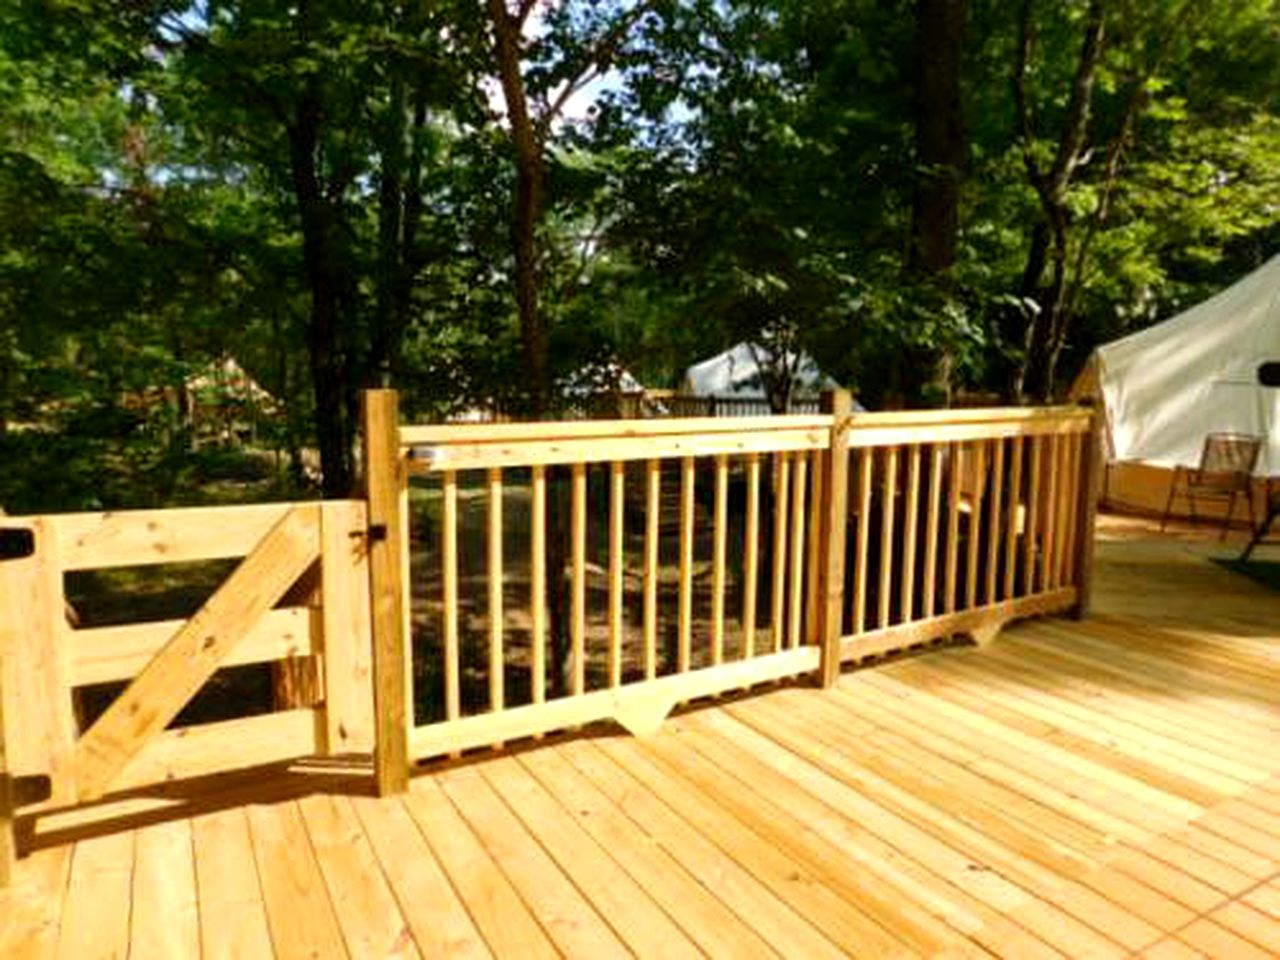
(1047,327)
(530,173)
(941,146)
(941,156)
(327,366)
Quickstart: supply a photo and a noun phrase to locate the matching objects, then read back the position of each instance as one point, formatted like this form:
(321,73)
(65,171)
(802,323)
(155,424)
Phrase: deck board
(1103,788)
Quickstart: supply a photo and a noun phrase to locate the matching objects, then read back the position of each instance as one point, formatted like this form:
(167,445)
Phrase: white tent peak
(1169,385)
(736,373)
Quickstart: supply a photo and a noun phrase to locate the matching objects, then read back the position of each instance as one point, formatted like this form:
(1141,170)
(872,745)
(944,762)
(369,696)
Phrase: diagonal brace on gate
(183,665)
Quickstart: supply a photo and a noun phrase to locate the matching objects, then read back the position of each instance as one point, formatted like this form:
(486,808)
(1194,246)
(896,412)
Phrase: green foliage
(744,167)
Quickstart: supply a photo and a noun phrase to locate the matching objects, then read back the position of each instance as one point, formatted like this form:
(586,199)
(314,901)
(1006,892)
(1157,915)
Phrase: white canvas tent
(1166,387)
(736,373)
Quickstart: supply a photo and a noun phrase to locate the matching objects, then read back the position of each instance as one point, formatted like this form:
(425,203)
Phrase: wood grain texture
(384,482)
(173,676)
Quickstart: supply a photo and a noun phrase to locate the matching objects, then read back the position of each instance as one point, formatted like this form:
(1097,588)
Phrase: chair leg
(1191,505)
(1168,504)
(1226,523)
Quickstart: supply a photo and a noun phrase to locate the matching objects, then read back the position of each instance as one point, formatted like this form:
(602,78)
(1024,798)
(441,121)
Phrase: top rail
(482,446)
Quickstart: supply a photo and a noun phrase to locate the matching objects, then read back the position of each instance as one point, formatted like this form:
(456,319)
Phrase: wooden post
(8,839)
(383,478)
(1090,479)
(835,516)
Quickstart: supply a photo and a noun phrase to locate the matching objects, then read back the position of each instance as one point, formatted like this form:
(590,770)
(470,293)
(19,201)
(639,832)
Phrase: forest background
(472,200)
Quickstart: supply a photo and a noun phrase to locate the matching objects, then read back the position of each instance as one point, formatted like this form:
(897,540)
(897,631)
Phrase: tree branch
(596,60)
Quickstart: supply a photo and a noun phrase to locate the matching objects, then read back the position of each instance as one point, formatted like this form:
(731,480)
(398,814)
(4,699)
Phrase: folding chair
(1225,471)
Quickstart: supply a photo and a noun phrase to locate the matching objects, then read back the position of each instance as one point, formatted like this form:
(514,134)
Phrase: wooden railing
(659,493)
(964,520)
(501,581)
(849,535)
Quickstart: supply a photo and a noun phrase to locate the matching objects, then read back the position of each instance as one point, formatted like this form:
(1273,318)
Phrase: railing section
(686,553)
(963,520)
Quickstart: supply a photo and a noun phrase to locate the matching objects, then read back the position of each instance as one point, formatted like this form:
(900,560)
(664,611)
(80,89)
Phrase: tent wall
(1143,489)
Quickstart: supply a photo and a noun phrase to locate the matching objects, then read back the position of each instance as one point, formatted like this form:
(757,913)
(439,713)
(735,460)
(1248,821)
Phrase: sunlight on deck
(1107,788)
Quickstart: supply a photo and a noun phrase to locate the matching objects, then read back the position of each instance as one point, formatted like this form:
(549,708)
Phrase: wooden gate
(298,598)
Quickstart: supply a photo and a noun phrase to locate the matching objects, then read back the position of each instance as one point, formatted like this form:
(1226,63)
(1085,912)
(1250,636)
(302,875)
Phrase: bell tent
(1165,388)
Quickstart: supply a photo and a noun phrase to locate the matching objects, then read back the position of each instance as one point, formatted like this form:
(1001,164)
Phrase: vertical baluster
(449,563)
(866,461)
(993,519)
(798,484)
(815,551)
(1011,532)
(1073,481)
(651,537)
(931,532)
(538,586)
(497,694)
(975,524)
(888,487)
(617,510)
(579,535)
(751,560)
(1049,511)
(718,558)
(782,490)
(909,538)
(1066,496)
(952,543)
(1031,529)
(685,639)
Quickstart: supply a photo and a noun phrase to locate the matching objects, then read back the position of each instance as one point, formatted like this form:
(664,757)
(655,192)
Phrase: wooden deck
(1107,788)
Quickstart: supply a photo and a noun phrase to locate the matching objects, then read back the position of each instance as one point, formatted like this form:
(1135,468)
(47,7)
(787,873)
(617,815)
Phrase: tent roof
(735,373)
(1169,385)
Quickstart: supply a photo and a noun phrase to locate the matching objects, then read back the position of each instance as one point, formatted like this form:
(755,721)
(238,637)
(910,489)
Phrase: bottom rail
(982,623)
(639,708)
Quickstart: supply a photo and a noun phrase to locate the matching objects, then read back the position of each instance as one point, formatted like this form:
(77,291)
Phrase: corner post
(8,839)
(835,515)
(384,476)
(1090,481)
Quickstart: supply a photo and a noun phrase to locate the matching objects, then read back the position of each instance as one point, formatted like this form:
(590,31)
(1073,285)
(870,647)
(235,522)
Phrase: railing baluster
(1070,497)
(579,534)
(1011,531)
(449,562)
(782,489)
(617,508)
(1031,528)
(1073,484)
(909,538)
(685,639)
(717,558)
(816,548)
(798,483)
(751,560)
(993,520)
(538,586)
(929,600)
(952,542)
(497,693)
(1050,512)
(651,539)
(888,488)
(866,463)
(979,449)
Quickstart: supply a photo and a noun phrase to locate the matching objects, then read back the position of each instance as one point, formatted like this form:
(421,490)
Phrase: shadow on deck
(1101,788)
